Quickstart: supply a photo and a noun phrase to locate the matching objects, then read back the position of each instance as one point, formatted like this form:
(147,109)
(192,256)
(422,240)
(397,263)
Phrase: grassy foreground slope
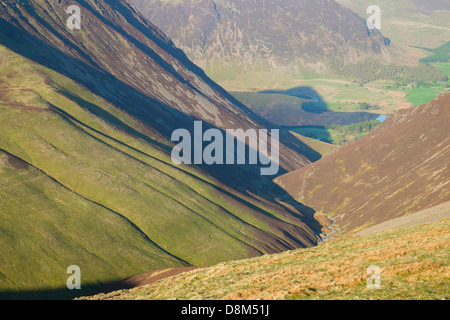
(80,186)
(414,264)
(47,227)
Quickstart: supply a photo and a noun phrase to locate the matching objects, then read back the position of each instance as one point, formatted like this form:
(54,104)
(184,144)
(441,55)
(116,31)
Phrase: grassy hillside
(414,264)
(80,185)
(47,227)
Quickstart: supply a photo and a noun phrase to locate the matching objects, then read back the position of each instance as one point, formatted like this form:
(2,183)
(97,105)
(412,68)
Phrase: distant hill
(410,24)
(399,168)
(231,39)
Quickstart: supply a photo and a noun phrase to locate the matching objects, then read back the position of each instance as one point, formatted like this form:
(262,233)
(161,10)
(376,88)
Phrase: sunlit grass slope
(413,262)
(82,183)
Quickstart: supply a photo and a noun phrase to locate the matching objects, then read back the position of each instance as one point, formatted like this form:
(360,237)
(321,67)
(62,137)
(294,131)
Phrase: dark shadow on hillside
(52,294)
(313,112)
(181,56)
(316,104)
(320,133)
(145,28)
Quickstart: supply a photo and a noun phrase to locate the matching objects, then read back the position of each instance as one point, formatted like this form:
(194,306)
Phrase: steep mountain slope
(114,41)
(85,169)
(399,168)
(46,227)
(255,37)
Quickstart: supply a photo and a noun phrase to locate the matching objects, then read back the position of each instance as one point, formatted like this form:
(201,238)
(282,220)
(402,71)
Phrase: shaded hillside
(228,38)
(399,168)
(85,169)
(321,147)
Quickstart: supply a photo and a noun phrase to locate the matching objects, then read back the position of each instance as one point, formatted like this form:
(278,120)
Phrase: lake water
(382,118)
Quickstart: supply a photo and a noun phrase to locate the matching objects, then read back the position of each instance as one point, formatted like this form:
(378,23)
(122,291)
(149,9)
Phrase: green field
(419,96)
(429,91)
(445,67)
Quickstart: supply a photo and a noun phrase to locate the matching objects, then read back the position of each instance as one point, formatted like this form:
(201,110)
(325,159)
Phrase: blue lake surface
(382,118)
